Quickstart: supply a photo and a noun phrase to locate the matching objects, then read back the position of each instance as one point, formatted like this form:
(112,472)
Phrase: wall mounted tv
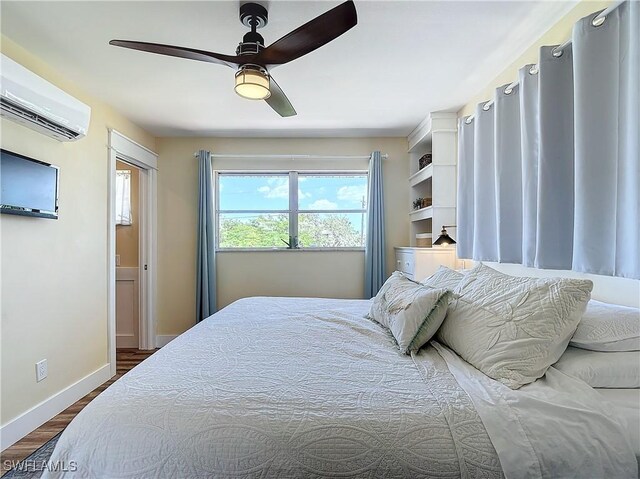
(28,187)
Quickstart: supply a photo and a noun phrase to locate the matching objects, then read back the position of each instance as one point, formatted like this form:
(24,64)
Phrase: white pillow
(608,327)
(443,278)
(602,369)
(412,312)
(512,329)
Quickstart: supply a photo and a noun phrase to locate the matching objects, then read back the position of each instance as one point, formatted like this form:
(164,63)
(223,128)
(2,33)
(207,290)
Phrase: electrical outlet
(117,260)
(41,370)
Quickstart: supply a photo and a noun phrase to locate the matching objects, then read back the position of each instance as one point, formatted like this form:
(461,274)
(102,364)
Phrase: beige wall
(54,272)
(556,35)
(127,235)
(290,273)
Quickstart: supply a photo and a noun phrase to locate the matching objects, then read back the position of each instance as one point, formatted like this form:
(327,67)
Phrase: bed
(300,387)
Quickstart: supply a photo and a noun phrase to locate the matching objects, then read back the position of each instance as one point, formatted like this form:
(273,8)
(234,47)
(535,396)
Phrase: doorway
(131,284)
(128,216)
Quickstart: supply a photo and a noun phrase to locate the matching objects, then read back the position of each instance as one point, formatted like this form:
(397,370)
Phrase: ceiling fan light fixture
(252,83)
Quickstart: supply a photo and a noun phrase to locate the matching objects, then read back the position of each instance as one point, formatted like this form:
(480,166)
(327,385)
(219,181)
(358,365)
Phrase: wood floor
(126,359)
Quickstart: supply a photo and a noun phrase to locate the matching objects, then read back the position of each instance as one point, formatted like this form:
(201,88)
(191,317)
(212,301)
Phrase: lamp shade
(444,239)
(252,84)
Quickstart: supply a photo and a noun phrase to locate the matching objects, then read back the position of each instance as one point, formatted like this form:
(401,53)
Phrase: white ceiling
(403,60)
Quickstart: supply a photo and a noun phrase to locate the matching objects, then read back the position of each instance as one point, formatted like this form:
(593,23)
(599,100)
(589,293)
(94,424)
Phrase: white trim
(436,121)
(132,151)
(30,420)
(148,257)
(111,261)
(123,148)
(164,339)
(293,209)
(289,250)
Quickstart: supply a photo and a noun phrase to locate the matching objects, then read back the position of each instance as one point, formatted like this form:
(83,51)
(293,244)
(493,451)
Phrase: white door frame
(123,148)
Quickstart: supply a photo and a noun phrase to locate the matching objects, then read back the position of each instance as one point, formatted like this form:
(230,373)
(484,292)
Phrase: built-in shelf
(421,214)
(422,175)
(437,135)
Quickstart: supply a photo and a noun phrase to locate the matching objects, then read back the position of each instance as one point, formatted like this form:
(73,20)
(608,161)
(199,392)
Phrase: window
(291,210)
(123,197)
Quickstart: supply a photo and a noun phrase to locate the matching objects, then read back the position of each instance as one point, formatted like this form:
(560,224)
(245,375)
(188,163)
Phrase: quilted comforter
(282,387)
(309,388)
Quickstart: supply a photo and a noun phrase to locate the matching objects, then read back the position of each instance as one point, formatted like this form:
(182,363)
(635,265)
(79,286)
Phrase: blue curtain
(206,267)
(374,269)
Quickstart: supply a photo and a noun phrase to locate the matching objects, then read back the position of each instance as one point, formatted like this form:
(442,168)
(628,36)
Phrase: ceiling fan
(253,60)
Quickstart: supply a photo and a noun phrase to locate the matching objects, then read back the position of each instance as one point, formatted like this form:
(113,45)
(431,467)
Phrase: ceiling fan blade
(310,36)
(279,101)
(180,52)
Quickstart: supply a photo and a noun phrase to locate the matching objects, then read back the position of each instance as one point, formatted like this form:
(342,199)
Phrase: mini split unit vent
(35,103)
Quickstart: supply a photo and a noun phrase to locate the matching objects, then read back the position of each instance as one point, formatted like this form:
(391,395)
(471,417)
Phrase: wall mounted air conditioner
(35,103)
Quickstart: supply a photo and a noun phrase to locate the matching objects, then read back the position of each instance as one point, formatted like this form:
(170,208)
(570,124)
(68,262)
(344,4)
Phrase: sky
(270,192)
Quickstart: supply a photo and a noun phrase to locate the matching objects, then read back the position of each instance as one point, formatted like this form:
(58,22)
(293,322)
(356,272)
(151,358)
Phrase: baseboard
(163,340)
(30,420)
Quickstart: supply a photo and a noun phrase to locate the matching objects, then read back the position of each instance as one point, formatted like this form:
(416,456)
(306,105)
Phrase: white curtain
(123,197)
(485,244)
(508,193)
(465,189)
(527,93)
(554,240)
(556,160)
(607,126)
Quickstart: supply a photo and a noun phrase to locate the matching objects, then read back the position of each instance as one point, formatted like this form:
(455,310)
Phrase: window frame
(293,211)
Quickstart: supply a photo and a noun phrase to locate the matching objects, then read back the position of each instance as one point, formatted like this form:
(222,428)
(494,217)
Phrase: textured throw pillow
(412,312)
(512,329)
(443,278)
(608,327)
(602,369)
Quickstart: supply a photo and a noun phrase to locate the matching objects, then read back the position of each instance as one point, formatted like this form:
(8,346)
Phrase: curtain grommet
(598,20)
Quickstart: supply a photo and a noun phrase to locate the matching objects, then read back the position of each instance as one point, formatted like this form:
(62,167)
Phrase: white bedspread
(277,387)
(284,387)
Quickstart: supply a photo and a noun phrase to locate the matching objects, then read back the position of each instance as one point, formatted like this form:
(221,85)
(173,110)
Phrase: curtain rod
(294,157)
(598,20)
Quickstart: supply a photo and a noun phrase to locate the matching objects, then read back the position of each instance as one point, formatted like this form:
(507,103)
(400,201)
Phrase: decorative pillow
(608,327)
(443,278)
(602,369)
(512,329)
(411,311)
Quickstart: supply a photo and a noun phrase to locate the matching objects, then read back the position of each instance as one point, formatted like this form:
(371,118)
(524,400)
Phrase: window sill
(287,250)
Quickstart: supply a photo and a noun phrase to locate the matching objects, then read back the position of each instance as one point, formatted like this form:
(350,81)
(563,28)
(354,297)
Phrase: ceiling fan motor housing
(254,16)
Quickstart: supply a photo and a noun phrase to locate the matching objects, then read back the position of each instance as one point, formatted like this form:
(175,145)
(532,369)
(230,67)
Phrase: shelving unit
(421,176)
(421,215)
(437,135)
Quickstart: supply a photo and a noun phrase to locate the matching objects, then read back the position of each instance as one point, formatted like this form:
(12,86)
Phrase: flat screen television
(28,187)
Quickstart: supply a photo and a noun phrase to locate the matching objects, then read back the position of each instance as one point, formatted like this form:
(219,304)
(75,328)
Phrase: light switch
(117,260)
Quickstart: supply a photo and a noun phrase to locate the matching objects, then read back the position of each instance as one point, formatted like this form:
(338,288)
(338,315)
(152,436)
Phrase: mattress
(295,387)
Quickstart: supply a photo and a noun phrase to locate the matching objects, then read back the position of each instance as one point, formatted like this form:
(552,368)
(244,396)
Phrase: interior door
(127,308)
